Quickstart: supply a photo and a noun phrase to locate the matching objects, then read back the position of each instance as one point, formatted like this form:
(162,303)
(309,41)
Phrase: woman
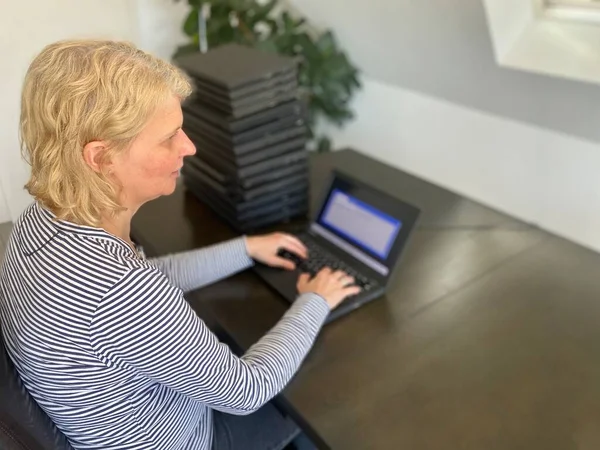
(103,338)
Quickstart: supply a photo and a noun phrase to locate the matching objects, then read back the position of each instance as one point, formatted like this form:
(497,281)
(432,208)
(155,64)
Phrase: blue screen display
(360,223)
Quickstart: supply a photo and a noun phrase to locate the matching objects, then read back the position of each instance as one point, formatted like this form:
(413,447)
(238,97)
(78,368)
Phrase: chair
(23,424)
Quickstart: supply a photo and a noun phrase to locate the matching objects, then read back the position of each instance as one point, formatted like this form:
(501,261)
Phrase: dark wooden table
(489,338)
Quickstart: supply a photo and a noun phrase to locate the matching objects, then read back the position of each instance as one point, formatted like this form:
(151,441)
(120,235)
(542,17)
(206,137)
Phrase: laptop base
(284,283)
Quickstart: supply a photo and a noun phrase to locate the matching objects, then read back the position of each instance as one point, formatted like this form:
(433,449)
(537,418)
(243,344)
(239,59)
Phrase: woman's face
(150,167)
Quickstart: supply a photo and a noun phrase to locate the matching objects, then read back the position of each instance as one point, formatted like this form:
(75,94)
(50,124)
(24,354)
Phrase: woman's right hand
(334,287)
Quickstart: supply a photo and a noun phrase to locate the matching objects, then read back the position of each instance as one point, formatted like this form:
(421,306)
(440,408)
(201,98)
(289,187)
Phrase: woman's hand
(333,286)
(264,249)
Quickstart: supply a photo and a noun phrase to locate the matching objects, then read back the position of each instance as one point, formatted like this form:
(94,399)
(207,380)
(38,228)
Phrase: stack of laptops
(248,124)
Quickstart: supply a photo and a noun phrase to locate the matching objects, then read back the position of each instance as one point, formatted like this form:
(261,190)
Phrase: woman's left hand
(265,248)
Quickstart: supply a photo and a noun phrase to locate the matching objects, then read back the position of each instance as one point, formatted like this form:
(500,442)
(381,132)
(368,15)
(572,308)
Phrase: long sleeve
(145,324)
(196,268)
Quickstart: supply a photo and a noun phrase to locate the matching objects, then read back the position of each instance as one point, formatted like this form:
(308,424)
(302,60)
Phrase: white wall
(443,48)
(4,212)
(541,176)
(160,25)
(25,27)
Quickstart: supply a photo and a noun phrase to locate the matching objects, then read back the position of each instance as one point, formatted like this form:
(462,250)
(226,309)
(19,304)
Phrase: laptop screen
(366,223)
(361,223)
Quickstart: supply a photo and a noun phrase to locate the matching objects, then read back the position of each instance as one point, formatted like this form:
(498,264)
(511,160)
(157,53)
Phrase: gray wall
(443,48)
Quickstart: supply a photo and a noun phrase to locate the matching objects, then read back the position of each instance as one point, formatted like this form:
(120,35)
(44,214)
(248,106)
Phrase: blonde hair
(79,91)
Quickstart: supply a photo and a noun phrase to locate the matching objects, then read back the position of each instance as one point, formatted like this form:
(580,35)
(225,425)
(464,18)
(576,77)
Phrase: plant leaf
(324,144)
(190,26)
(263,12)
(326,43)
(268,45)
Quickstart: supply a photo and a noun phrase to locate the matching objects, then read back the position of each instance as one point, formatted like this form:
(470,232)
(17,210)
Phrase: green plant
(327,78)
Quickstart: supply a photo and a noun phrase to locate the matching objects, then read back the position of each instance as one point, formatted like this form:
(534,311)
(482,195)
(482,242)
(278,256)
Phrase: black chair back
(23,424)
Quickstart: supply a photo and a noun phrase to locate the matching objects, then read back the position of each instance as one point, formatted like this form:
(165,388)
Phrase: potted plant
(327,77)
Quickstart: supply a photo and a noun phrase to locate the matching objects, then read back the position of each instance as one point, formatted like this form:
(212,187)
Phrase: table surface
(489,337)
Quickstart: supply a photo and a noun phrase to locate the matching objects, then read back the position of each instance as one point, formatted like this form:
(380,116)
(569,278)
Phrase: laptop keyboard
(318,258)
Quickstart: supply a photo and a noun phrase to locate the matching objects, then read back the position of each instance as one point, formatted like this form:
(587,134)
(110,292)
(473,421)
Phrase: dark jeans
(266,429)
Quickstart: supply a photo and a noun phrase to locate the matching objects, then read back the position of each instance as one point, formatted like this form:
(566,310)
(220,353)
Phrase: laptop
(227,104)
(270,118)
(218,138)
(233,66)
(246,221)
(229,167)
(358,229)
(239,146)
(264,154)
(284,82)
(234,194)
(247,183)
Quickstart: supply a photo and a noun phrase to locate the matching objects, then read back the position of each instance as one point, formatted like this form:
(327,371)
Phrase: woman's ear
(93,155)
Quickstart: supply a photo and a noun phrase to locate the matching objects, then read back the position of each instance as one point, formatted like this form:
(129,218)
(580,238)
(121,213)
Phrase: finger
(339,274)
(324,272)
(294,249)
(283,263)
(347,280)
(300,246)
(303,279)
(352,290)
(295,245)
(294,239)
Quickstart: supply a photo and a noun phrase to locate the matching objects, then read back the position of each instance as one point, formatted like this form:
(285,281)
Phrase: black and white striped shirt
(107,345)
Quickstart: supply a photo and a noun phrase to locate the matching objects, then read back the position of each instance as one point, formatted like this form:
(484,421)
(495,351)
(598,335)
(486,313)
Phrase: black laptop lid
(231,66)
(365,222)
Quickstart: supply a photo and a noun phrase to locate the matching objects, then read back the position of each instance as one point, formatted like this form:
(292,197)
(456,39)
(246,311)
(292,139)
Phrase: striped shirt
(109,348)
